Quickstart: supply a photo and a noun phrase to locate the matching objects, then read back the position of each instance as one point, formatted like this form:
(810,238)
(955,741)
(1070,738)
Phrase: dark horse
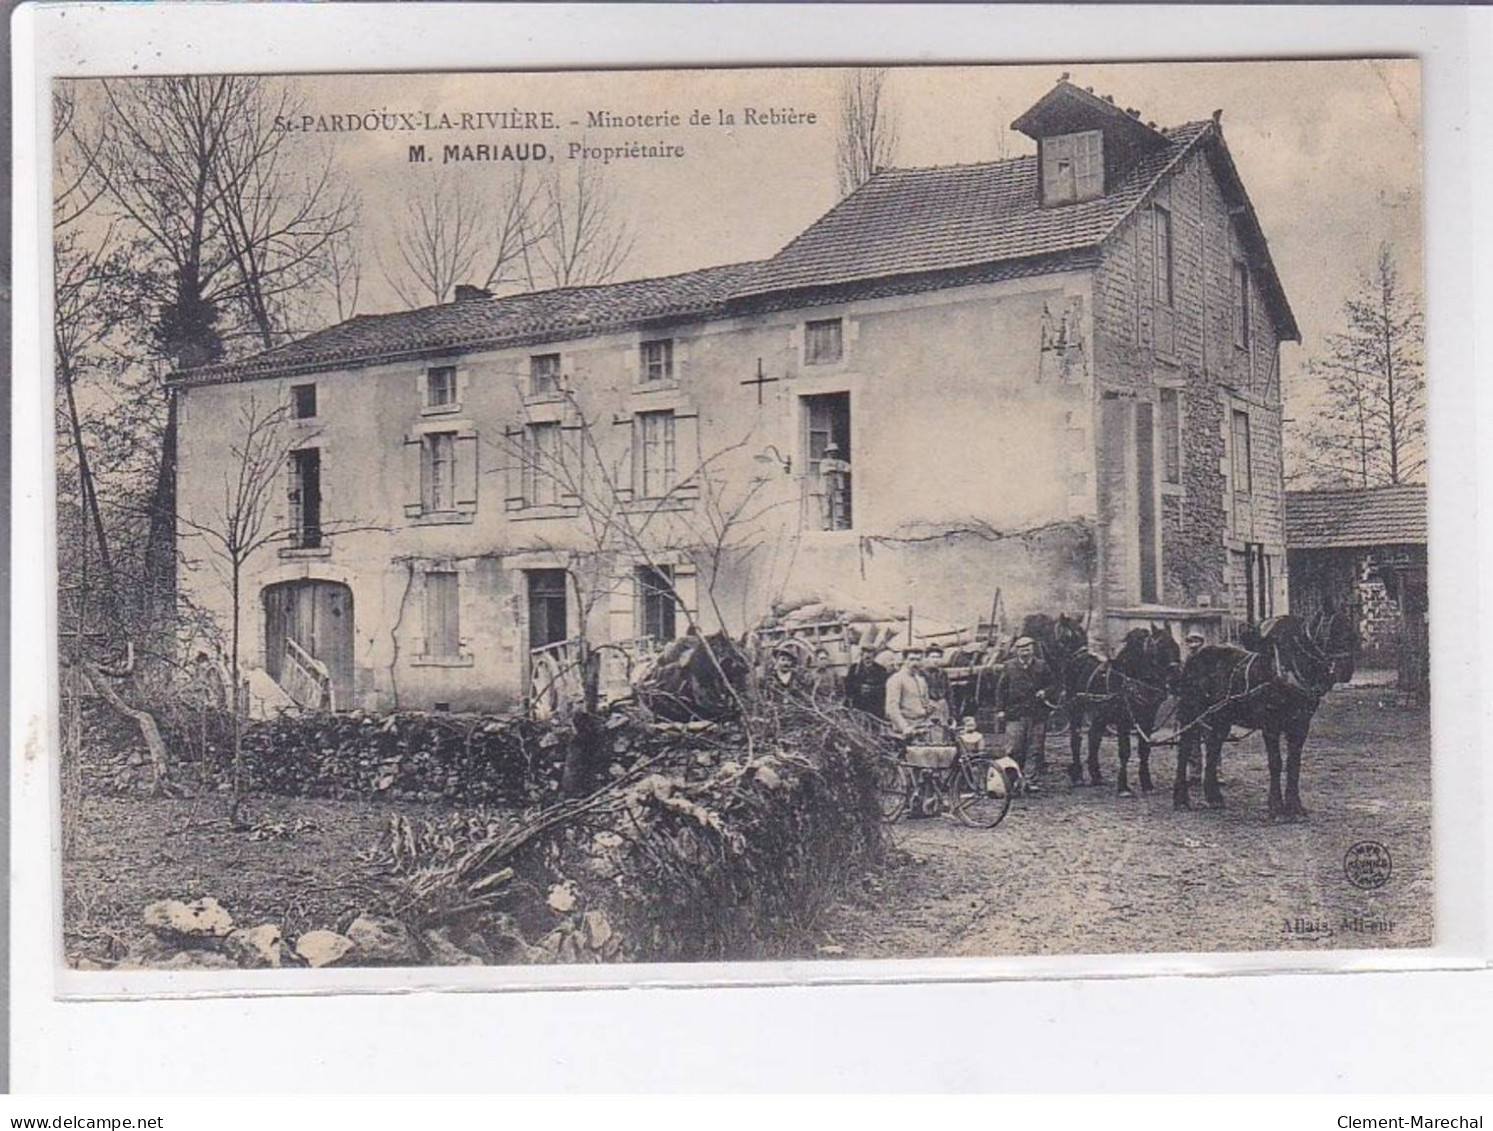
(1274,689)
(1123,694)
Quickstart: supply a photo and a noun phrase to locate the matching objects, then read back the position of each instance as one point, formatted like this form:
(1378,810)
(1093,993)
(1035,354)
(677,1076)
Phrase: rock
(444,951)
(381,941)
(201,920)
(322,948)
(146,951)
(256,947)
(199,960)
(561,898)
(597,929)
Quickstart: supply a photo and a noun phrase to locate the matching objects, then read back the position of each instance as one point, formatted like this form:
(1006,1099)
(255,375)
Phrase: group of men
(916,694)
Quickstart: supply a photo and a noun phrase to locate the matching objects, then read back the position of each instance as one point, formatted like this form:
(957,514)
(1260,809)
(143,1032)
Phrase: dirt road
(1078,870)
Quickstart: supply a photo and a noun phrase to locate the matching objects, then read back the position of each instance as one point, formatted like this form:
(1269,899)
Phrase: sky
(1329,152)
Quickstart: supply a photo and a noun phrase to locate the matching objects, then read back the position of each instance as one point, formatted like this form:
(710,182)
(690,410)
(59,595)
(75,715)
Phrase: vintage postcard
(728,515)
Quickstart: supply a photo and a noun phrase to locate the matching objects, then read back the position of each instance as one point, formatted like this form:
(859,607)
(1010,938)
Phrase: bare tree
(867,137)
(242,522)
(1370,427)
(229,223)
(583,238)
(719,530)
(439,241)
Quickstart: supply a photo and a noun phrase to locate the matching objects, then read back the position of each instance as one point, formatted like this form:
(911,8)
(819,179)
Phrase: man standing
(1021,700)
(865,684)
(938,682)
(907,702)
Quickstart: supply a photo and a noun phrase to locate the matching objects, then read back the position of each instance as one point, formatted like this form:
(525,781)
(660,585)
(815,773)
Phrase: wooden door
(318,616)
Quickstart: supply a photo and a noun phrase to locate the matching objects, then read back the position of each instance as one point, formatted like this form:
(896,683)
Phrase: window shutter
(467,471)
(621,610)
(413,499)
(686,445)
(687,590)
(681,359)
(572,455)
(513,468)
(281,508)
(630,359)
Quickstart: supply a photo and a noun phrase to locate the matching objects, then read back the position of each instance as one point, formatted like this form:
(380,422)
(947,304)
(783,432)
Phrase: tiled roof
(1373,516)
(907,220)
(477,323)
(905,229)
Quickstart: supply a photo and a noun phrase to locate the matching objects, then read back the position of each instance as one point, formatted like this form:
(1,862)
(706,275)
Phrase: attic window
(1072,167)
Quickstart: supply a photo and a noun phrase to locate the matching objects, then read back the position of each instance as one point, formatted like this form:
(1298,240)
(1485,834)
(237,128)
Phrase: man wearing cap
(907,703)
(1021,700)
(865,684)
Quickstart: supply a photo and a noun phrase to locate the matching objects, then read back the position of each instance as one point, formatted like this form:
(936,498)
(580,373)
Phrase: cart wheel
(981,796)
(1057,722)
(894,786)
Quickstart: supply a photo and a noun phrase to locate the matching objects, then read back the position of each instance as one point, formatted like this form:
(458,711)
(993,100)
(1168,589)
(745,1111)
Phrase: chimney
(465,292)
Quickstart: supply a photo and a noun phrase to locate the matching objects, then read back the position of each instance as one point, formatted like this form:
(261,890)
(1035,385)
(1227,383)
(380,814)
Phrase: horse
(1335,632)
(1125,694)
(1275,689)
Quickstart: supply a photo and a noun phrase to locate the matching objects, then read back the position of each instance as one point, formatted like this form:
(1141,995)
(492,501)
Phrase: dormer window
(1072,168)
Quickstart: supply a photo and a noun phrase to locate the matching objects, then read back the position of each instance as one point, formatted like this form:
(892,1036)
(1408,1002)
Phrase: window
(827,461)
(1243,458)
(544,374)
(1171,437)
(1241,305)
(658,360)
(440,387)
(305,498)
(303,401)
(442,614)
(438,472)
(656,446)
(824,342)
(656,602)
(1072,167)
(1163,250)
(542,464)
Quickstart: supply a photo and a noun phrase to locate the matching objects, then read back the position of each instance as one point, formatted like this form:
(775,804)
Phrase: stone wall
(1143,346)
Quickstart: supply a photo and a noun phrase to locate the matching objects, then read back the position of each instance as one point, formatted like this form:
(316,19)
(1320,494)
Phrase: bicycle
(971,787)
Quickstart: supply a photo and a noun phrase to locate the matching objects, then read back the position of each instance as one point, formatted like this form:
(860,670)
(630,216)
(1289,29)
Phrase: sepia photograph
(826,514)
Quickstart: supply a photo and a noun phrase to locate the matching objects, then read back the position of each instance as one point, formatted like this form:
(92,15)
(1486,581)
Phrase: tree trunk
(236,771)
(154,746)
(582,756)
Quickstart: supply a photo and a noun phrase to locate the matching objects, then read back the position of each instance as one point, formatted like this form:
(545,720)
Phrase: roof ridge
(1356,490)
(955,165)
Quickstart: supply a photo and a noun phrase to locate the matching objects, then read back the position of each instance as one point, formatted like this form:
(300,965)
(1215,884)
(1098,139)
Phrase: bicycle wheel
(974,803)
(893,787)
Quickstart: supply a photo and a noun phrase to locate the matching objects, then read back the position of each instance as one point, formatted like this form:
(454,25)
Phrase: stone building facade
(1055,377)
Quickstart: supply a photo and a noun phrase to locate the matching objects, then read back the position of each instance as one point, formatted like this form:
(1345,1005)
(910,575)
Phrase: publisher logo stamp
(1368,865)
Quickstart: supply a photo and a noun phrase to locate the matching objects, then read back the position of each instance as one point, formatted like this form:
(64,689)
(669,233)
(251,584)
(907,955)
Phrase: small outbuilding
(1364,549)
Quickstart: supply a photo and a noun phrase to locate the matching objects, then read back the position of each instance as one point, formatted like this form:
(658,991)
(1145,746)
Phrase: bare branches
(1370,429)
(867,138)
(585,239)
(439,242)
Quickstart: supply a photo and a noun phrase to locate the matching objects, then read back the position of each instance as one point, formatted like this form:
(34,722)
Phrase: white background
(1281,1032)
